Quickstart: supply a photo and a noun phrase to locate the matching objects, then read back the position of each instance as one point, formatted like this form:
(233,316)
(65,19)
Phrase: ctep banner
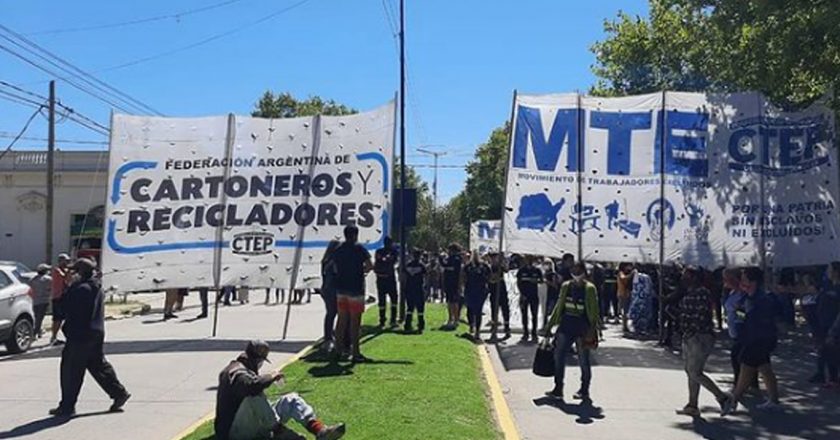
(706,179)
(230,200)
(484,236)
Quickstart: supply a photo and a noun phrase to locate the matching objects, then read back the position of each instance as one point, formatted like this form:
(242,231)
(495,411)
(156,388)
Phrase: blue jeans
(562,344)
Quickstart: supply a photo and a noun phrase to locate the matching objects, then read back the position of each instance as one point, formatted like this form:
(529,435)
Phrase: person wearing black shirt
(83,317)
(352,262)
(386,281)
(498,294)
(476,274)
(452,268)
(528,278)
(415,272)
(758,337)
(328,271)
(553,281)
(243,411)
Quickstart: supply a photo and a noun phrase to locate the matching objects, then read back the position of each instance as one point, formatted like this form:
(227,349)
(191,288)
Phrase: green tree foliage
(483,195)
(787,49)
(284,105)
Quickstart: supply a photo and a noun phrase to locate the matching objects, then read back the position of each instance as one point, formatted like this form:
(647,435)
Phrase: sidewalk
(169,367)
(636,387)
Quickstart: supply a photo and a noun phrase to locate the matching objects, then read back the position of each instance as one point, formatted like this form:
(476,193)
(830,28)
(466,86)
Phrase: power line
(73,71)
(176,16)
(205,40)
(22,131)
(17,99)
(71,113)
(429,165)
(8,135)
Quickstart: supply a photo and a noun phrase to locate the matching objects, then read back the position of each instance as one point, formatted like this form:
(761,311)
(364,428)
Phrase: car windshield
(22,268)
(17,274)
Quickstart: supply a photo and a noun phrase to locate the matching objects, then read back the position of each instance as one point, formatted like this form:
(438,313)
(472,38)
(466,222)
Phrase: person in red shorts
(352,262)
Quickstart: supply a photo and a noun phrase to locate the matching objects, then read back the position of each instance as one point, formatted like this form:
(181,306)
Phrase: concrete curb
(209,416)
(500,406)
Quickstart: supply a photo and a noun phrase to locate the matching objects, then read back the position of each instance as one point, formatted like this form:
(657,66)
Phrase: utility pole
(434,154)
(50,173)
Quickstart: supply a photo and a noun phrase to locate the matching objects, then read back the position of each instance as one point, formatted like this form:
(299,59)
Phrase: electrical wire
(73,71)
(85,121)
(22,131)
(9,135)
(176,16)
(18,99)
(205,40)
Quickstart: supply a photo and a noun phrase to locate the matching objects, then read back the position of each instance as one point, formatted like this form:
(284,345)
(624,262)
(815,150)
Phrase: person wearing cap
(415,272)
(243,411)
(83,325)
(41,285)
(60,277)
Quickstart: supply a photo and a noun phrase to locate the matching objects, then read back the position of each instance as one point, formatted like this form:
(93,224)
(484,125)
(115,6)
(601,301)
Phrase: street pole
(434,154)
(50,173)
(403,233)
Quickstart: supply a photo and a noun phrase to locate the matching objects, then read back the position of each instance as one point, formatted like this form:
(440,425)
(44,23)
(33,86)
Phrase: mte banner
(484,236)
(706,179)
(241,201)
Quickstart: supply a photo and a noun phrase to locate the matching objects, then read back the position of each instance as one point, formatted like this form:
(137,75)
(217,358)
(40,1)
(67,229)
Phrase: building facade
(80,181)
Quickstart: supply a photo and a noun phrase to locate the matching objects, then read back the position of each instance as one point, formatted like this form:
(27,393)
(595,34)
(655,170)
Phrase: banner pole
(579,176)
(217,249)
(661,278)
(507,174)
(299,237)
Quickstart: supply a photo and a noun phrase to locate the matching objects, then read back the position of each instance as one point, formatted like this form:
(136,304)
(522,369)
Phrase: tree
(284,105)
(789,50)
(483,195)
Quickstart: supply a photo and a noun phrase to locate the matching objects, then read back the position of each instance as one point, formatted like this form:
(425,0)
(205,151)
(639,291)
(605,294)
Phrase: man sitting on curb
(243,412)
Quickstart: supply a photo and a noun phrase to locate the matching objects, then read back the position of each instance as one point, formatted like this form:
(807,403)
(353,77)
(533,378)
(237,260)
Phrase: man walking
(41,285)
(577,317)
(386,281)
(498,295)
(352,262)
(698,340)
(528,279)
(452,266)
(60,276)
(84,328)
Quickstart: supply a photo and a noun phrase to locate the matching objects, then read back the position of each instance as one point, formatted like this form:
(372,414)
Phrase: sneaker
(62,412)
(768,405)
(119,402)
(729,406)
(201,316)
(333,432)
(168,316)
(524,338)
(556,394)
(691,411)
(581,395)
(360,359)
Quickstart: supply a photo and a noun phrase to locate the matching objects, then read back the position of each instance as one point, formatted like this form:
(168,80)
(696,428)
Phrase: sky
(210,57)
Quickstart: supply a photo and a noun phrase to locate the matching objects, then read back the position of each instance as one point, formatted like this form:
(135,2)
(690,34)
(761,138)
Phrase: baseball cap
(258,349)
(63,256)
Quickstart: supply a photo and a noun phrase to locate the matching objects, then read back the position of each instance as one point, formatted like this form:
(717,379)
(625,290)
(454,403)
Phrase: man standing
(415,272)
(698,340)
(528,279)
(84,327)
(577,317)
(386,280)
(498,294)
(243,412)
(452,267)
(352,262)
(60,280)
(41,285)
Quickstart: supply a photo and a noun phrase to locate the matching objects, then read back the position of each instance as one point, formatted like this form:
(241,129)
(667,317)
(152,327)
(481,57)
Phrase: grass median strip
(426,386)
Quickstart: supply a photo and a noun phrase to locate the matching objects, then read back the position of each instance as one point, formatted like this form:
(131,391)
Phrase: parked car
(17,329)
(25,272)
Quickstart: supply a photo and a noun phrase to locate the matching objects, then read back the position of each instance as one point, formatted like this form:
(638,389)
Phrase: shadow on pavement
(168,346)
(585,412)
(44,424)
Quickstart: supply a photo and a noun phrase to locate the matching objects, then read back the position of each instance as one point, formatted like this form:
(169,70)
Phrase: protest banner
(241,201)
(484,236)
(706,179)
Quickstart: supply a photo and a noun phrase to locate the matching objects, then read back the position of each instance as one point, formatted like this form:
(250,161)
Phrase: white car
(17,329)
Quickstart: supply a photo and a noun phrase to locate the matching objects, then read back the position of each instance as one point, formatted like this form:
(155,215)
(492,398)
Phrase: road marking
(209,416)
(500,406)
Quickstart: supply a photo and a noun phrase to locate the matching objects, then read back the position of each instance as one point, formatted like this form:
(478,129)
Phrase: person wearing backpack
(577,319)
